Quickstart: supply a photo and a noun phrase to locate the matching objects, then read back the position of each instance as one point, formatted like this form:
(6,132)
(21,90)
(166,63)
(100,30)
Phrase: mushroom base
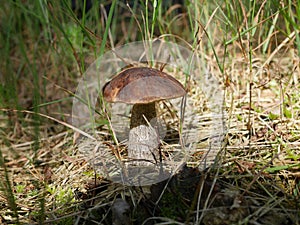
(143,135)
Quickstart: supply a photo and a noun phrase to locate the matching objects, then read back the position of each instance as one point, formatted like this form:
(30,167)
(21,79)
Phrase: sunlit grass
(252,47)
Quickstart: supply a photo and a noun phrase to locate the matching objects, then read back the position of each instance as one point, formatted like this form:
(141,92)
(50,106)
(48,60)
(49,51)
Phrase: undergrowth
(251,47)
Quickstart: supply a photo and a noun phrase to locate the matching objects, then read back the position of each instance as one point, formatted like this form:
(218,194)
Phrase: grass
(251,47)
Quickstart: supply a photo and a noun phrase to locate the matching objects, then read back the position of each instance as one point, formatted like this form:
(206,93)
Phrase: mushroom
(143,87)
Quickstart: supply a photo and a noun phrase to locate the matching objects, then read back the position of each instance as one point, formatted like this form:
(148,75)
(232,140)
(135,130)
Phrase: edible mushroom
(142,87)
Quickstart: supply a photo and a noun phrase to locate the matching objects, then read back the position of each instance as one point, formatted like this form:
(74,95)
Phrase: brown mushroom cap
(142,85)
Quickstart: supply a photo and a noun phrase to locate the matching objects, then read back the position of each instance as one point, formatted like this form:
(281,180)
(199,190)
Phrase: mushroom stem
(143,136)
(141,111)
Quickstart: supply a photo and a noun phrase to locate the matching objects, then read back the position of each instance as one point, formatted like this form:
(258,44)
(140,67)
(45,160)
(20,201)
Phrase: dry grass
(260,164)
(47,180)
